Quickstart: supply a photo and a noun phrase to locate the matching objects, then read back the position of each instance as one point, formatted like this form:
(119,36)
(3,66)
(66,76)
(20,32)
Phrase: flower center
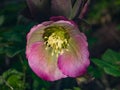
(56,38)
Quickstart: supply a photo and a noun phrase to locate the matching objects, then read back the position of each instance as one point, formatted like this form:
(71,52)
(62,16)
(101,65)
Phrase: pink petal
(43,64)
(74,62)
(36,33)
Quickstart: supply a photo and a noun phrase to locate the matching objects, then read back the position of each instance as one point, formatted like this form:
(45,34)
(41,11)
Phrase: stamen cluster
(56,40)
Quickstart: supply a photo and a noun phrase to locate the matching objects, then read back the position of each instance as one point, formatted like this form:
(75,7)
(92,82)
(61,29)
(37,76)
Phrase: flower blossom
(57,49)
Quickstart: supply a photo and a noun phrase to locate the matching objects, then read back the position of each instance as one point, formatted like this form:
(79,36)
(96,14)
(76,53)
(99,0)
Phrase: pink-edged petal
(46,23)
(33,29)
(57,18)
(74,62)
(43,63)
(67,25)
(64,23)
(36,33)
(70,27)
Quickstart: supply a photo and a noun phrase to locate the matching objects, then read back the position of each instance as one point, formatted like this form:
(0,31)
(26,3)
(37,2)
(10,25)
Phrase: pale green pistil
(56,38)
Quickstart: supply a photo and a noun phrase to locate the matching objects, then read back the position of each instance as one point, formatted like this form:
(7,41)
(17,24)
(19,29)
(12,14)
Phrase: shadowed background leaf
(61,7)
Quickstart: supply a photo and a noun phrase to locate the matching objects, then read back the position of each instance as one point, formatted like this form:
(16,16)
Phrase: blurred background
(100,23)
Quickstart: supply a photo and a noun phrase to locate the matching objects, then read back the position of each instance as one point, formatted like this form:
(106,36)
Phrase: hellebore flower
(57,49)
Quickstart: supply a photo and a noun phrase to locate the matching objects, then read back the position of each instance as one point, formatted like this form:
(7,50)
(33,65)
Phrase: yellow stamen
(57,40)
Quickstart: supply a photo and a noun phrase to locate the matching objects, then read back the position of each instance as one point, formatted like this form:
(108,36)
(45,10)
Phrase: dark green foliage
(12,80)
(15,73)
(12,40)
(95,72)
(110,63)
(102,8)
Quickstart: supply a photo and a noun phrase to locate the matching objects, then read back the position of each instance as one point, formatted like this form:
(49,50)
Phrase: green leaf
(10,72)
(16,82)
(111,57)
(76,88)
(95,72)
(113,72)
(109,68)
(13,80)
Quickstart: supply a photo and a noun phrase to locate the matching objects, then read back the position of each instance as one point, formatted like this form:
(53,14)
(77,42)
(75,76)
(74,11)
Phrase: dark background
(101,24)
